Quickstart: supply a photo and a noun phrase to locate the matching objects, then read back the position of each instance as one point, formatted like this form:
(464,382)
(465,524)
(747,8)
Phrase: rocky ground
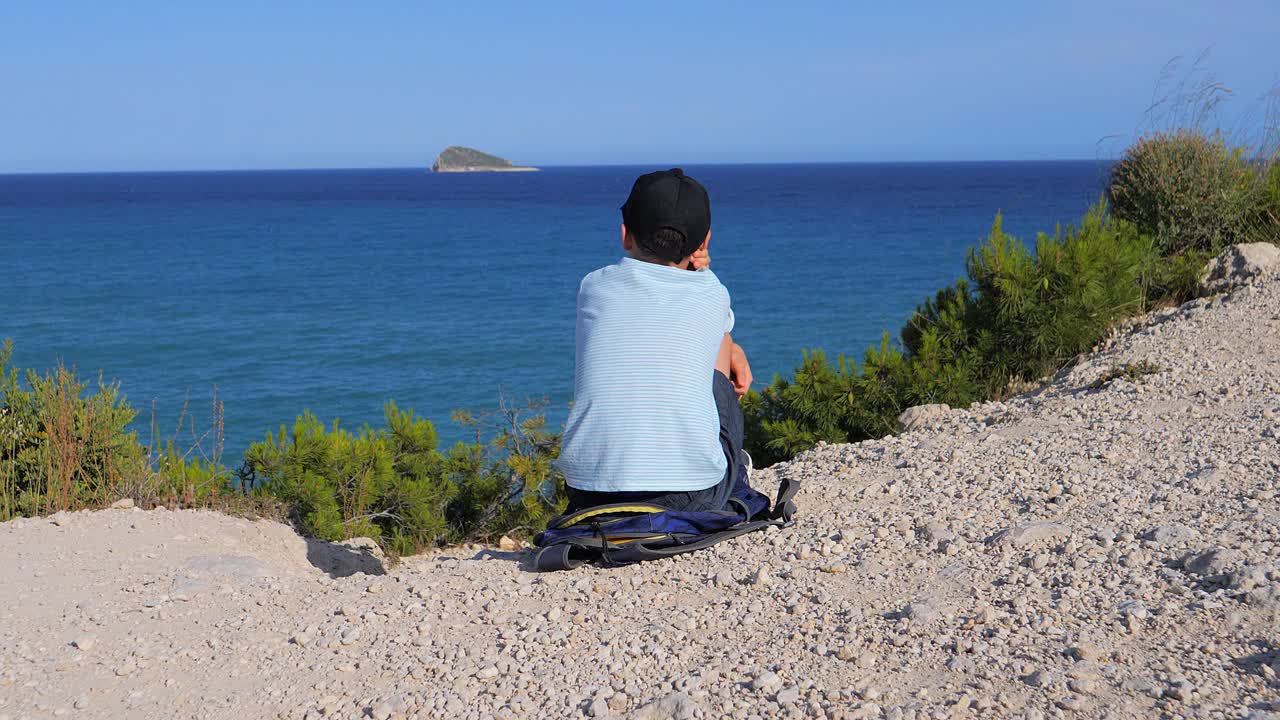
(1106,547)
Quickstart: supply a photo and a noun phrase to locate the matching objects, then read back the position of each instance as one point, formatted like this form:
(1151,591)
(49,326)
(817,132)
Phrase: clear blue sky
(92,85)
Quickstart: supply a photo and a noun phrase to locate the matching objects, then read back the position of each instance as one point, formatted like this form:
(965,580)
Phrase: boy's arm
(739,370)
(732,361)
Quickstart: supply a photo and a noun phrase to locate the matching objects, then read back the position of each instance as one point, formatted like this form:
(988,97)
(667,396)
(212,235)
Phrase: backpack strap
(557,557)
(610,509)
(638,551)
(743,510)
(784,507)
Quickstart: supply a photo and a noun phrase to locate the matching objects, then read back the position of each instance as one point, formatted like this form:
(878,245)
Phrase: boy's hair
(666,244)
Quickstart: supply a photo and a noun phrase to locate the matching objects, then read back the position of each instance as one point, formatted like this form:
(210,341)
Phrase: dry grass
(66,447)
(1193,176)
(1129,371)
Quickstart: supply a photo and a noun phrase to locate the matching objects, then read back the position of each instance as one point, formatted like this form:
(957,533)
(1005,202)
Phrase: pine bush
(1019,314)
(394,485)
(1034,310)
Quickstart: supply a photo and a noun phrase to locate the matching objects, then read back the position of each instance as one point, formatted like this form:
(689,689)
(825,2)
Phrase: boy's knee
(727,405)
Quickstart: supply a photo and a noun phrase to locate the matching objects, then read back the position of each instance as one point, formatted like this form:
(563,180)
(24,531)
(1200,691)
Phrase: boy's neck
(655,261)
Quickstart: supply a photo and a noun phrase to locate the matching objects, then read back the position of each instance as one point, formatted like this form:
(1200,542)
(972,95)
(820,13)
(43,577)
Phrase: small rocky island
(456,158)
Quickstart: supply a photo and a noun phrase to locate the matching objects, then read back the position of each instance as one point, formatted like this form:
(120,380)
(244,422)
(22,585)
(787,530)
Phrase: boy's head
(667,217)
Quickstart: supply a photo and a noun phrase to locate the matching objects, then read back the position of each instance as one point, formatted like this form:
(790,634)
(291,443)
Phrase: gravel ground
(1091,550)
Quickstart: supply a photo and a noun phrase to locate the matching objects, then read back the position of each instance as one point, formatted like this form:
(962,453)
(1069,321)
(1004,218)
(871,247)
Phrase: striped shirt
(643,415)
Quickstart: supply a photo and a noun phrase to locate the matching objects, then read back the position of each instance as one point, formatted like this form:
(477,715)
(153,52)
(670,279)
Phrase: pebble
(921,612)
(1043,679)
(767,682)
(1132,608)
(1029,535)
(1213,562)
(1086,651)
(1084,686)
(1172,534)
(1180,691)
(1070,702)
(676,706)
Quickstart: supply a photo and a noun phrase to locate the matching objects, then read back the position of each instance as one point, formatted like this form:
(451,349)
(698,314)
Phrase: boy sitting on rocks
(657,378)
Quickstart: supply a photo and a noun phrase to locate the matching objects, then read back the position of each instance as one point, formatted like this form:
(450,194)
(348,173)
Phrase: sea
(335,291)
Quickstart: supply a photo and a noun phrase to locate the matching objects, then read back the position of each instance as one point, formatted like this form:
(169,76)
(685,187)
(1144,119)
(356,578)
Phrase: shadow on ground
(339,560)
(1268,654)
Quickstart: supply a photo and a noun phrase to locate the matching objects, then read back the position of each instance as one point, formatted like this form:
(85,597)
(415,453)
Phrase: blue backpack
(624,533)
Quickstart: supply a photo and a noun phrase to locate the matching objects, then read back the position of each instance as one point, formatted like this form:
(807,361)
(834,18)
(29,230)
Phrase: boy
(657,377)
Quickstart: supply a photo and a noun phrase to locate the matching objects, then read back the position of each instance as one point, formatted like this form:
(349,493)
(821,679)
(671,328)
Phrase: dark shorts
(715,497)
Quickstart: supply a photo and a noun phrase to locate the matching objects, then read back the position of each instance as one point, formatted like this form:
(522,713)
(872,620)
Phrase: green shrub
(64,448)
(1175,279)
(518,492)
(1190,190)
(1019,315)
(1033,311)
(1269,211)
(392,483)
(61,449)
(184,479)
(817,404)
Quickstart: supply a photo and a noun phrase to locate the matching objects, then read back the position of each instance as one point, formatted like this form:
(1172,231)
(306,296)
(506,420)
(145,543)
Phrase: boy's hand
(739,370)
(700,259)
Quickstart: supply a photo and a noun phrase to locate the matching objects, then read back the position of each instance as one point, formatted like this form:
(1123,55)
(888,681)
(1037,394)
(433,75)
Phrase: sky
(87,85)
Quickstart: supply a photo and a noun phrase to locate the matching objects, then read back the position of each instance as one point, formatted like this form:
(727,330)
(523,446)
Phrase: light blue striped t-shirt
(643,415)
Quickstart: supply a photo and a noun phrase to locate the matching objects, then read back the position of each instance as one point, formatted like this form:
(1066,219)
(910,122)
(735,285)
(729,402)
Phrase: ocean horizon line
(426,168)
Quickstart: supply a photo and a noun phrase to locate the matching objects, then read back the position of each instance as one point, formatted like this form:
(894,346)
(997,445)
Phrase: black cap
(668,199)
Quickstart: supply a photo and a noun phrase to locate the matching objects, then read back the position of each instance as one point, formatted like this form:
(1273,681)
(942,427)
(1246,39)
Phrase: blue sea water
(336,290)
